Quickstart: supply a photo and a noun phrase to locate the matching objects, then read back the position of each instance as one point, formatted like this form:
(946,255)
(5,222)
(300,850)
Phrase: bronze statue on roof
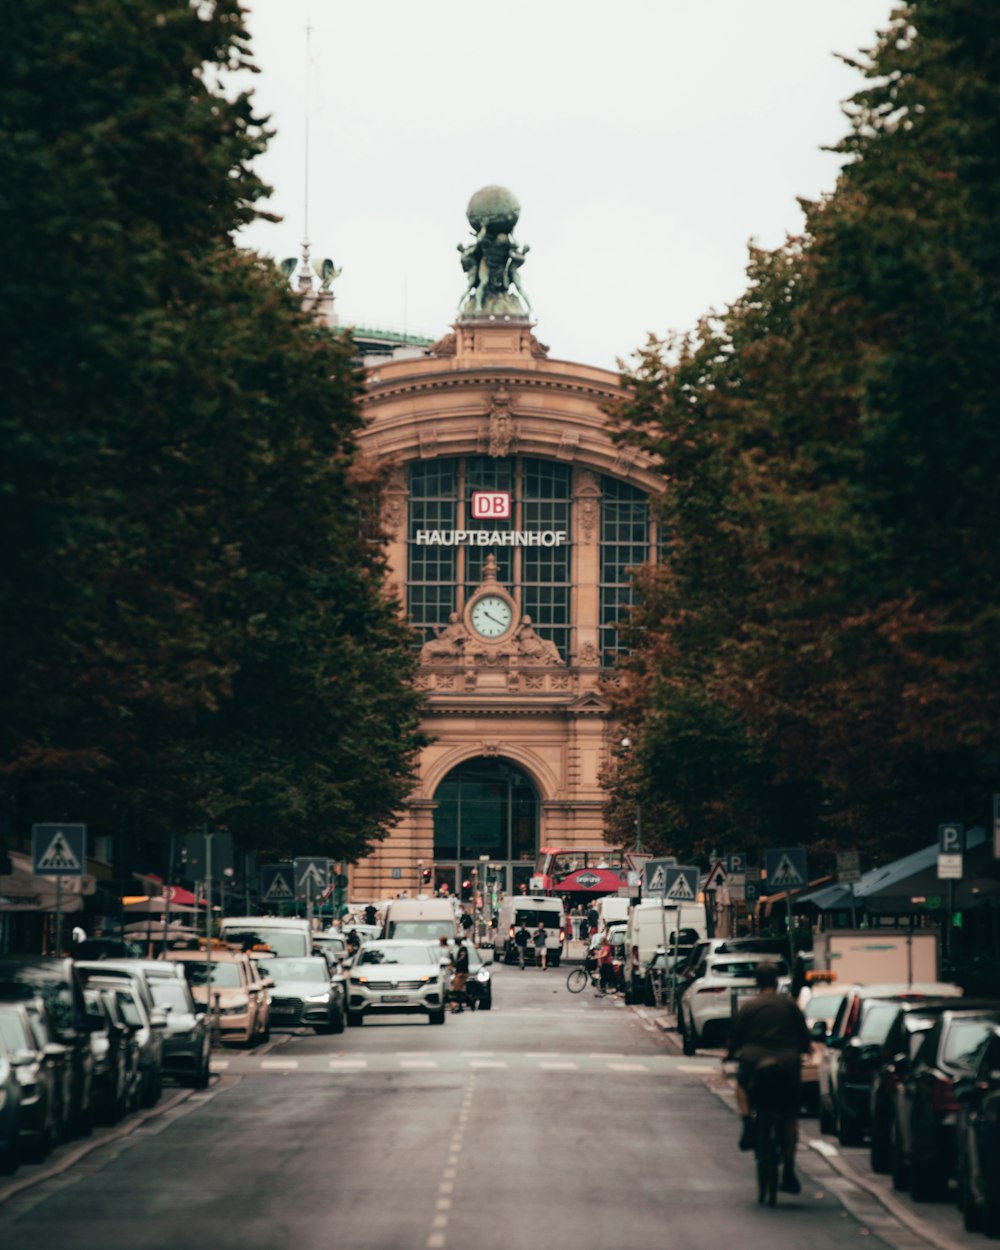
(491,262)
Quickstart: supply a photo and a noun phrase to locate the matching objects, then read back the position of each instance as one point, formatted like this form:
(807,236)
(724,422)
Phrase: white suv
(398,976)
(706,1009)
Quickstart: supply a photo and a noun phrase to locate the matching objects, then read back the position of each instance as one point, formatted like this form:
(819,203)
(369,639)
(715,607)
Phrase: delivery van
(653,924)
(426,919)
(532,909)
(287,937)
(865,956)
(611,909)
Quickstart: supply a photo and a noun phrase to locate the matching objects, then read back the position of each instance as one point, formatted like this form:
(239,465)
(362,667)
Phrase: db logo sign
(491,505)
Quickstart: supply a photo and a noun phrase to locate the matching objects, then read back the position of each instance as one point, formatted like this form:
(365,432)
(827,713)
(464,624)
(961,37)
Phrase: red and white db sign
(491,505)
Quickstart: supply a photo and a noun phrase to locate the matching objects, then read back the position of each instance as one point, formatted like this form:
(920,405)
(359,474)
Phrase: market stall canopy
(142,905)
(911,884)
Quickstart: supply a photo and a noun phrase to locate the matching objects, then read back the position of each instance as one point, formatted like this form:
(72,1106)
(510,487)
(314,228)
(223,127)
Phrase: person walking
(459,994)
(539,939)
(522,939)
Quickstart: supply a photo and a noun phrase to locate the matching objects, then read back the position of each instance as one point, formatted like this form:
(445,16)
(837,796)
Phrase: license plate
(395,998)
(283,1011)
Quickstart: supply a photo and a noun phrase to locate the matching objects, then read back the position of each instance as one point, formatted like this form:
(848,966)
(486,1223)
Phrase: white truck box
(873,956)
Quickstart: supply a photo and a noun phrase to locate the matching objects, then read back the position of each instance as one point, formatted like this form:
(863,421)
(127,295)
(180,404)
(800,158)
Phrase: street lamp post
(420,876)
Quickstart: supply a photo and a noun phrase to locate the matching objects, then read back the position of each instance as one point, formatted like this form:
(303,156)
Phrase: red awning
(592,881)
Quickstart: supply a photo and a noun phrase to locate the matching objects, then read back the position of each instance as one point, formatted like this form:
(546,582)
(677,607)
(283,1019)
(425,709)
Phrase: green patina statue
(492,261)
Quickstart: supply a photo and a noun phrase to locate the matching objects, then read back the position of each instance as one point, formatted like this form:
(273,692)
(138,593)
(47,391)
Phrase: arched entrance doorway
(485,829)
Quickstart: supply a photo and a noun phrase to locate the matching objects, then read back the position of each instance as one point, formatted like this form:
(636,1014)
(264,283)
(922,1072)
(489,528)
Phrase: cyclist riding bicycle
(771,1029)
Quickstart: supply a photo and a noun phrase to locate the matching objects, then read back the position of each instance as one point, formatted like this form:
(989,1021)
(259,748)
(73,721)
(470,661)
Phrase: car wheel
(849,1130)
(355,1019)
(265,1033)
(323,1028)
(436,1017)
(826,1123)
(925,1183)
(202,1076)
(991,1212)
(900,1168)
(648,994)
(972,1213)
(881,1148)
(689,1039)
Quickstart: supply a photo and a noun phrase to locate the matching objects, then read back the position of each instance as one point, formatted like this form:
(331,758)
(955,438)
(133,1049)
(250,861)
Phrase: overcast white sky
(647,141)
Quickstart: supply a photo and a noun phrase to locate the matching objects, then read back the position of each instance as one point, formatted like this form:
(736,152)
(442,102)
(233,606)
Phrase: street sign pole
(58,941)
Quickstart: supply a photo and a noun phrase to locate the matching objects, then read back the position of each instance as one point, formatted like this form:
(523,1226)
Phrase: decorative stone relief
(588,500)
(534,683)
(502,430)
(568,444)
(490,746)
(588,656)
(447,346)
(624,461)
(449,644)
(428,444)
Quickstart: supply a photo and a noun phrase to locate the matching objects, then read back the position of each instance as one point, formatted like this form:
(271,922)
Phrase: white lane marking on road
(348,1063)
(699,1068)
(824,1147)
(418,1063)
(218,1065)
(446,1187)
(560,1067)
(443,1204)
(628,1067)
(435,1241)
(487,1063)
(449,1174)
(278,1063)
(608,1055)
(439,1221)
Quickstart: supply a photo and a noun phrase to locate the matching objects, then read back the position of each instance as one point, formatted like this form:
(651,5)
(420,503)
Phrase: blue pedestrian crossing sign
(58,850)
(786,868)
(681,884)
(654,876)
(277,883)
(312,876)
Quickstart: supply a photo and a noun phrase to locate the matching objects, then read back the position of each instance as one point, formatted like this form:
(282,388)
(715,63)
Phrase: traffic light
(426,876)
(466,891)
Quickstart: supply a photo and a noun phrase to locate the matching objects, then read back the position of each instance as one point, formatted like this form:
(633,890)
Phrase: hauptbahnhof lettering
(491,538)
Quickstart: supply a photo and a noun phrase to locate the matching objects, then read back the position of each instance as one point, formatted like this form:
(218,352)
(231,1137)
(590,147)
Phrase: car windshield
(964,1039)
(54,994)
(281,942)
(742,967)
(396,955)
(13,1034)
(170,994)
(224,974)
(823,1006)
(421,928)
(877,1021)
(284,970)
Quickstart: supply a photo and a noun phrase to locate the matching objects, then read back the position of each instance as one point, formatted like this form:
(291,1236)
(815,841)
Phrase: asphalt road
(552,1122)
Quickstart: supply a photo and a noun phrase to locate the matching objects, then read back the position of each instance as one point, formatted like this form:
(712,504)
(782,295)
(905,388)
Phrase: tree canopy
(817,659)
(194,625)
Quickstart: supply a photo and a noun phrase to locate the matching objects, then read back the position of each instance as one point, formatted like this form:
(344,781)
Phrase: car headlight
(318,998)
(359,980)
(234,1009)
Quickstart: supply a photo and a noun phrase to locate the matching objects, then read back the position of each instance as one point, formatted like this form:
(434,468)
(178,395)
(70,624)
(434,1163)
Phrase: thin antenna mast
(305,206)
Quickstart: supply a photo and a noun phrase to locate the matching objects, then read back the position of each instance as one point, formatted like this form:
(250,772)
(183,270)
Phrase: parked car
(306,991)
(706,1010)
(397,976)
(689,969)
(902,1042)
(819,1004)
(924,1127)
(45,1039)
(116,1057)
(854,1052)
(333,946)
(10,1113)
(57,982)
(147,1030)
(977,1141)
(34,1066)
(240,1005)
(187,1042)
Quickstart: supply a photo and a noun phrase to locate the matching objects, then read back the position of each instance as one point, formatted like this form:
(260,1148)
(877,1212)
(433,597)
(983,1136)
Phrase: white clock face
(491,616)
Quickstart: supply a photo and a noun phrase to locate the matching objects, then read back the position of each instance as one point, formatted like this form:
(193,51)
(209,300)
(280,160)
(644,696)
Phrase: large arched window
(439,577)
(486,807)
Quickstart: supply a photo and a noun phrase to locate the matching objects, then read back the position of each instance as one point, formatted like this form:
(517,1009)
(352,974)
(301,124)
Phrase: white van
(426,919)
(611,910)
(285,936)
(653,924)
(532,909)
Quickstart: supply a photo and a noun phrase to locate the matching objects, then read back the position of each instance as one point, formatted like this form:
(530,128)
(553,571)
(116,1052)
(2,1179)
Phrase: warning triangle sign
(279,888)
(659,879)
(59,855)
(313,874)
(681,889)
(786,873)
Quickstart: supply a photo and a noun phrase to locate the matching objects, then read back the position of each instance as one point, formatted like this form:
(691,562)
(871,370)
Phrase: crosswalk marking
(348,1063)
(487,1063)
(628,1067)
(560,1067)
(418,1063)
(279,1063)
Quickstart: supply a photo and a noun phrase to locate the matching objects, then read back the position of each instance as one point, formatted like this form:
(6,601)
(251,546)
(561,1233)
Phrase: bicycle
(769,1096)
(579,978)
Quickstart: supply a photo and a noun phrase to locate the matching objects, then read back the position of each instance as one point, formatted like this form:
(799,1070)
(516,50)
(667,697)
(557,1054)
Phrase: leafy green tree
(192,624)
(830,451)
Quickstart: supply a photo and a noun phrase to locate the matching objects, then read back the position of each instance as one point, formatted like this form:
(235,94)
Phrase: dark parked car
(10,1113)
(58,984)
(147,1021)
(913,1019)
(116,1057)
(854,1053)
(924,1126)
(306,992)
(977,1141)
(45,1038)
(35,1068)
(187,1042)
